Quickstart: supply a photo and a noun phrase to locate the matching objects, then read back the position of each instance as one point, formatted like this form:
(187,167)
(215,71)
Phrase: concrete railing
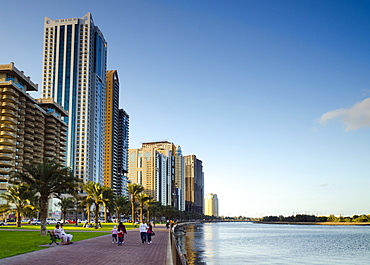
(177,257)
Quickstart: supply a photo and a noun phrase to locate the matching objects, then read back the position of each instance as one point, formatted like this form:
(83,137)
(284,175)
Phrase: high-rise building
(122,150)
(111,130)
(74,69)
(194,184)
(159,167)
(30,130)
(211,204)
(116,138)
(177,171)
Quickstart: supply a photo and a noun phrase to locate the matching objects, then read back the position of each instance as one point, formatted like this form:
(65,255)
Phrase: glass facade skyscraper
(74,70)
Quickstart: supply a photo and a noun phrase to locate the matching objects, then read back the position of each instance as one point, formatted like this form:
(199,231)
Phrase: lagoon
(251,243)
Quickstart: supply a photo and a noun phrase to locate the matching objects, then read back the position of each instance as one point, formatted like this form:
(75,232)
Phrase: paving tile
(100,250)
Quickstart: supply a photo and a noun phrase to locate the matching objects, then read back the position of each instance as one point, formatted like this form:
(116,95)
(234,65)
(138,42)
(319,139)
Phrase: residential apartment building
(122,150)
(211,204)
(74,75)
(30,130)
(116,137)
(111,130)
(177,171)
(159,167)
(194,184)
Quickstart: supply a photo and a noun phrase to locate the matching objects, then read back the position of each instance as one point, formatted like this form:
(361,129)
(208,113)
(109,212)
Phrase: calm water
(248,243)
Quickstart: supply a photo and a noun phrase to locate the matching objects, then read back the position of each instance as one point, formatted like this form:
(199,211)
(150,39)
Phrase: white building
(74,70)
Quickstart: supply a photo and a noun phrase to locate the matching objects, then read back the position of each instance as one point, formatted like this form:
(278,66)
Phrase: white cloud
(355,117)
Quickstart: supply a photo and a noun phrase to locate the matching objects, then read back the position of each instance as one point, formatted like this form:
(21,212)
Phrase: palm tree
(97,194)
(47,178)
(134,189)
(19,198)
(142,198)
(87,203)
(108,195)
(149,203)
(121,204)
(66,205)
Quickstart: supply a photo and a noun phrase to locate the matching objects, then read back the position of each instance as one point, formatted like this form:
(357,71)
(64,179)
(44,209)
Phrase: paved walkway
(100,250)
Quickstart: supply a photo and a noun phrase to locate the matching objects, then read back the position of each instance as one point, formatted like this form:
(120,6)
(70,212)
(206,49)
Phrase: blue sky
(272,96)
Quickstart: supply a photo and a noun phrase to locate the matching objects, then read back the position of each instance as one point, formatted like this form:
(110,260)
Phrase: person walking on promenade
(122,228)
(143,229)
(149,232)
(168,225)
(120,238)
(114,234)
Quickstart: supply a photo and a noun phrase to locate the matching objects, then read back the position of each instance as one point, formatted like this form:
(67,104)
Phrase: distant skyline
(272,96)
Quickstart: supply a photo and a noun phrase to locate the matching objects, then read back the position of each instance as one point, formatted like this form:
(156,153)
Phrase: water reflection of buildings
(193,244)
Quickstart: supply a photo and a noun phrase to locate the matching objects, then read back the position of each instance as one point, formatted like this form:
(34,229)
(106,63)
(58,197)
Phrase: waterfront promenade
(100,250)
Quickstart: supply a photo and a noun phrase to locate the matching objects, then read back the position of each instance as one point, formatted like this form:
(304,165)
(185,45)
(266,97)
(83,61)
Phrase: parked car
(36,222)
(51,221)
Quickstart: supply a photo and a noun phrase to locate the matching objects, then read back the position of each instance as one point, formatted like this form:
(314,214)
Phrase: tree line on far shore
(312,218)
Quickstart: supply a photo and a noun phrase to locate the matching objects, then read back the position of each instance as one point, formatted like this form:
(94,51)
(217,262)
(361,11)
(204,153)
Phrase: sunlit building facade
(30,130)
(111,131)
(211,204)
(159,167)
(194,184)
(74,69)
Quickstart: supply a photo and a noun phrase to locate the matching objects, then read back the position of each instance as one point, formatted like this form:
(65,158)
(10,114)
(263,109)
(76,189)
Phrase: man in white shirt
(143,228)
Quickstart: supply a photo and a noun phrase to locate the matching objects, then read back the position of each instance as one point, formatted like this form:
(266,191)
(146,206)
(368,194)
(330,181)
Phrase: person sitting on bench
(66,238)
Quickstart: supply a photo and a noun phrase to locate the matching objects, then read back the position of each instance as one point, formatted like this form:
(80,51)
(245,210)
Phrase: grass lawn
(17,242)
(68,227)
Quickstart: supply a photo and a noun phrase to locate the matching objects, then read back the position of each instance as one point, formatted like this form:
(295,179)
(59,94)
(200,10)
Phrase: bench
(53,238)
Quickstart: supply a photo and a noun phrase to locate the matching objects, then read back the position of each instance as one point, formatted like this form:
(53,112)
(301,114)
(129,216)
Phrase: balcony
(11,91)
(50,154)
(6,163)
(50,120)
(63,149)
(9,105)
(21,125)
(10,98)
(30,104)
(5,171)
(7,119)
(9,112)
(30,117)
(7,148)
(49,147)
(29,130)
(39,136)
(28,156)
(9,134)
(7,141)
(7,156)
(30,111)
(49,142)
(28,143)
